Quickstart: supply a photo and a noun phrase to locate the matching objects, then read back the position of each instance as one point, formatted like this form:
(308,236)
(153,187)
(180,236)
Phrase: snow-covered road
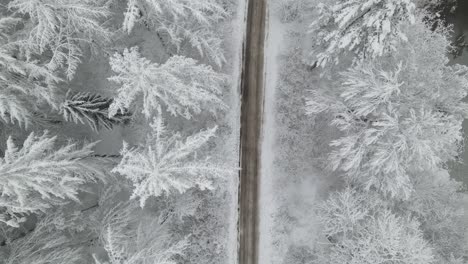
(251,127)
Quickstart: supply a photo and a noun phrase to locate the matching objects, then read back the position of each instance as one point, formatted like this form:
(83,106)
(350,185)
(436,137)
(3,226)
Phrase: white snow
(236,37)
(290,184)
(273,42)
(90,77)
(459,170)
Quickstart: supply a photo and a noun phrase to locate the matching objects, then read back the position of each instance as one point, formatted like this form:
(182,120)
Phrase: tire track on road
(252,100)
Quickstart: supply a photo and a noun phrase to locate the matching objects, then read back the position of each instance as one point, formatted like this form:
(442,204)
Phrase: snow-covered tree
(38,176)
(149,244)
(205,41)
(181,85)
(438,203)
(92,109)
(57,29)
(184,21)
(342,211)
(25,87)
(291,10)
(44,244)
(7,26)
(122,229)
(362,230)
(400,115)
(167,164)
(204,12)
(435,4)
(14,110)
(366,27)
(208,239)
(28,87)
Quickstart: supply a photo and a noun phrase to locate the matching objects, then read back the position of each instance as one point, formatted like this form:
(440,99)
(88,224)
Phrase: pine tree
(25,88)
(437,4)
(362,230)
(92,109)
(397,121)
(123,233)
(292,10)
(144,247)
(367,27)
(14,110)
(438,203)
(184,21)
(58,28)
(37,176)
(45,244)
(187,35)
(7,25)
(181,85)
(166,164)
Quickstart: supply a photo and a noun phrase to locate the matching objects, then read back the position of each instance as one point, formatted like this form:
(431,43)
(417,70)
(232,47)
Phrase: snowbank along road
(251,127)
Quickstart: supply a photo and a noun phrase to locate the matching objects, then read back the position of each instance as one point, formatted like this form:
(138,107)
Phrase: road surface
(251,127)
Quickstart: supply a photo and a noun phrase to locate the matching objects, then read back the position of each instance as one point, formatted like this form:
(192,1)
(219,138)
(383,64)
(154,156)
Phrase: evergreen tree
(45,244)
(397,120)
(122,230)
(92,109)
(27,86)
(367,27)
(361,230)
(57,28)
(184,21)
(437,4)
(25,89)
(166,164)
(438,203)
(14,110)
(137,245)
(181,85)
(38,176)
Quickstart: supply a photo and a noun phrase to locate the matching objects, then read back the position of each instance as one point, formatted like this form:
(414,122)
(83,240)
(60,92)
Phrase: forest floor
(291,175)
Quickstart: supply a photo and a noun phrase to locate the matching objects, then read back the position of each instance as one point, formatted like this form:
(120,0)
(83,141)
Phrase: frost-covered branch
(25,87)
(192,21)
(180,85)
(38,176)
(168,164)
(123,232)
(397,120)
(45,244)
(92,109)
(366,27)
(361,230)
(59,28)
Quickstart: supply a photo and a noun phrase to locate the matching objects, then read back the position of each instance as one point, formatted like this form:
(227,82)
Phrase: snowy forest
(367,103)
(118,131)
(121,130)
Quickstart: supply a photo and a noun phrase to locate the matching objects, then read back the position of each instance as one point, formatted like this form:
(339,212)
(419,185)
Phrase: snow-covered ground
(237,35)
(274,41)
(291,182)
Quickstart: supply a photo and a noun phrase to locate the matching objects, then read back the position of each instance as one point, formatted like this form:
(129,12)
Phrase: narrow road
(251,127)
